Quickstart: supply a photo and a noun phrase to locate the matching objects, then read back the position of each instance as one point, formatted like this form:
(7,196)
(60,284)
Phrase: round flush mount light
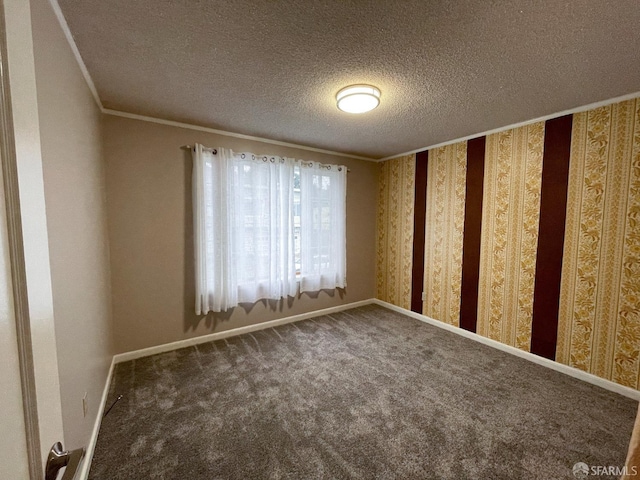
(358,98)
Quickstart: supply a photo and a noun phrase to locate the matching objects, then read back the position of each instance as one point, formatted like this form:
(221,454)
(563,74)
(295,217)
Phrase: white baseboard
(545,362)
(167,347)
(83,473)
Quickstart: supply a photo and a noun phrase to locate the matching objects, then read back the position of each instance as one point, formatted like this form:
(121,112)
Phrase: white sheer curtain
(323,201)
(243,228)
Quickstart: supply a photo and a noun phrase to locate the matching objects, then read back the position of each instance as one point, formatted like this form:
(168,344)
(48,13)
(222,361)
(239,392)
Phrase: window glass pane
(296,218)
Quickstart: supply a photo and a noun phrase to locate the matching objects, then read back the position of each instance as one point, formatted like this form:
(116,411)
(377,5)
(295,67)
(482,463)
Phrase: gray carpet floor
(365,393)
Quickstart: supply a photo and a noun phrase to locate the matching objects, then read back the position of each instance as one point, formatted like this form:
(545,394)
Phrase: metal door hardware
(59,458)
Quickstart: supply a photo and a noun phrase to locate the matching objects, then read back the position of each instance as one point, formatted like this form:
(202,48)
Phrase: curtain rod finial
(189,147)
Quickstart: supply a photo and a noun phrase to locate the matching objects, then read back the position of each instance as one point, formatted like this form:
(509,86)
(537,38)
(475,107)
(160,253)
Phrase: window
(297,210)
(322,226)
(265,227)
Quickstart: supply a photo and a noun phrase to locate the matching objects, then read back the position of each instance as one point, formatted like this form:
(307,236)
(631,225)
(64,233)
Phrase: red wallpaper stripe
(471,236)
(553,212)
(419,218)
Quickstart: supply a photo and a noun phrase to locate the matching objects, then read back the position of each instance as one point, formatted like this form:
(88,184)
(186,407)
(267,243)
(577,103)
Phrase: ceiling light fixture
(358,98)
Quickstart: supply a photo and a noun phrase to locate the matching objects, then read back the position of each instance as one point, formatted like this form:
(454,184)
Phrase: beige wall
(70,129)
(150,234)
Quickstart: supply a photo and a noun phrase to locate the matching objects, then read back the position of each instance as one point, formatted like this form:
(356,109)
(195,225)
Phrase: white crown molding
(94,92)
(76,52)
(144,118)
(545,362)
(87,76)
(583,108)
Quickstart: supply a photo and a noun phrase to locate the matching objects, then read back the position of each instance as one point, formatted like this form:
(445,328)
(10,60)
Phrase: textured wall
(396,190)
(446,177)
(599,328)
(74,184)
(598,288)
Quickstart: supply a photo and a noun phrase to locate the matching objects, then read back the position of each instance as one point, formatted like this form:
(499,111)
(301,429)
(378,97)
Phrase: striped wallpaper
(395,231)
(446,177)
(509,239)
(532,238)
(599,328)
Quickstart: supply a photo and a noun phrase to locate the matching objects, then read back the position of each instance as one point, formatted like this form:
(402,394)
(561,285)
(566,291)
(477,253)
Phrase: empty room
(320,239)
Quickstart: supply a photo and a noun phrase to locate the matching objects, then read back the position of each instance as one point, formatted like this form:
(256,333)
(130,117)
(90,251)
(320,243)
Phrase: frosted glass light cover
(358,98)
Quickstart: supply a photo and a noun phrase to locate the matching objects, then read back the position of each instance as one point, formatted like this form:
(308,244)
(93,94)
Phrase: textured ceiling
(447,69)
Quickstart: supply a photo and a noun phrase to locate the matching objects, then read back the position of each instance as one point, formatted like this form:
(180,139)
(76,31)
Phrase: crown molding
(144,118)
(94,92)
(74,48)
(583,108)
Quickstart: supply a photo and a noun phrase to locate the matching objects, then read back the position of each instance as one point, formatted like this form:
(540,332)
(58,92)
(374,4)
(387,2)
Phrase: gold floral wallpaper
(446,180)
(509,239)
(599,318)
(395,230)
(599,298)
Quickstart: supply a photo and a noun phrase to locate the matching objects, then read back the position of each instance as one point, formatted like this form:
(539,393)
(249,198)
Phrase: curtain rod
(214,151)
(189,147)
